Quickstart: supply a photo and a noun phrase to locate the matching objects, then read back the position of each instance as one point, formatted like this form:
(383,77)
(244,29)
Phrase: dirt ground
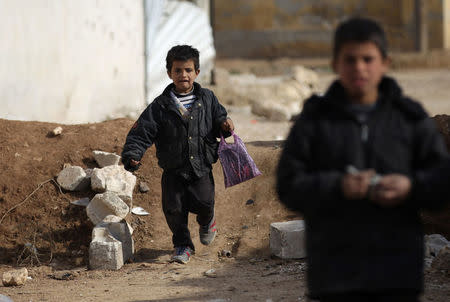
(34,210)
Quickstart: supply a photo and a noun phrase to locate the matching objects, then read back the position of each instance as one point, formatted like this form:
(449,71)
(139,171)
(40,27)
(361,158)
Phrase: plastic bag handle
(222,139)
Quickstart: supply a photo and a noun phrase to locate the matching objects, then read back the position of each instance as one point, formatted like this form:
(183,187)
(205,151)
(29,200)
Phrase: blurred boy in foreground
(351,165)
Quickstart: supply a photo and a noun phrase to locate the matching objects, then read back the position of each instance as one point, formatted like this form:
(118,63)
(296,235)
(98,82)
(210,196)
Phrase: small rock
(15,277)
(57,131)
(211,273)
(4,298)
(250,201)
(63,275)
(143,187)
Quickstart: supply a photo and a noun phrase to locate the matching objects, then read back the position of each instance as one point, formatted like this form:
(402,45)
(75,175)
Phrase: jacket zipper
(364,133)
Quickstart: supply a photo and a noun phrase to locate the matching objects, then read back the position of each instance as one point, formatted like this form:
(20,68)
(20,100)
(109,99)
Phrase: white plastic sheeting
(171,23)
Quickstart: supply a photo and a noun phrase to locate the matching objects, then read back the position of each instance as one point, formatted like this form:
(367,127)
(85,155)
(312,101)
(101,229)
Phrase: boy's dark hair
(360,30)
(182,53)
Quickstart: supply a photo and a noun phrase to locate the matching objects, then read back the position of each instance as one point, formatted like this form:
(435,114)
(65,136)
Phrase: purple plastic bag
(237,165)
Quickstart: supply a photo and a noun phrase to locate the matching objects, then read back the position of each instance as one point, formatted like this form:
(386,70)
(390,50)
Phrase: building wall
(71,61)
(446,18)
(272,28)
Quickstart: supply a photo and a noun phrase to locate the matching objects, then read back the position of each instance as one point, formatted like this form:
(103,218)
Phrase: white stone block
(287,239)
(104,159)
(114,179)
(73,178)
(112,244)
(105,251)
(106,204)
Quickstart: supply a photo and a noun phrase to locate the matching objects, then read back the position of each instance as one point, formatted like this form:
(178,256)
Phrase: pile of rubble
(112,244)
(277,98)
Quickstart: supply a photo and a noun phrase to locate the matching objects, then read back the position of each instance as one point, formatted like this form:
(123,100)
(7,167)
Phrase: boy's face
(360,67)
(183,75)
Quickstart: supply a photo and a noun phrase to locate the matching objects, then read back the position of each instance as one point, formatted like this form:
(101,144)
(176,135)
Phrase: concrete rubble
(112,243)
(287,239)
(104,159)
(15,277)
(108,203)
(114,179)
(73,178)
(278,98)
(434,245)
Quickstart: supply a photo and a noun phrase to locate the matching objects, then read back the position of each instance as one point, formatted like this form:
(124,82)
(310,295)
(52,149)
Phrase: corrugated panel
(176,22)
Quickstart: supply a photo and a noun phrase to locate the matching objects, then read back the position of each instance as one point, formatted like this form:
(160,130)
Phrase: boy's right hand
(131,164)
(356,185)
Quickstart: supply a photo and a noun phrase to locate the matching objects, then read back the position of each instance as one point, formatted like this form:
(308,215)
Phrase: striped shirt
(187,100)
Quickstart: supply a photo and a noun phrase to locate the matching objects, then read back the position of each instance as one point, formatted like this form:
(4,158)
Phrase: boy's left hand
(392,190)
(227,125)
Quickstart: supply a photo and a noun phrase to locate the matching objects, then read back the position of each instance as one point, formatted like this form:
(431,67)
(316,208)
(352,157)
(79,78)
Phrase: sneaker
(182,254)
(208,232)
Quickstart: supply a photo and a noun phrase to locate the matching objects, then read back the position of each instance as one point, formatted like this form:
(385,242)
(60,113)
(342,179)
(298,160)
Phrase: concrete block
(73,178)
(114,179)
(111,246)
(287,239)
(104,159)
(106,204)
(122,232)
(105,251)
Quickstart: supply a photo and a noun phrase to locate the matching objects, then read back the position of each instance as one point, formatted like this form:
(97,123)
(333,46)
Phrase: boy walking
(183,123)
(351,165)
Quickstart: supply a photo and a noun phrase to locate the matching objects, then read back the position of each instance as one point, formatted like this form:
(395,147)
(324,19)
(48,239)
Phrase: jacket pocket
(210,148)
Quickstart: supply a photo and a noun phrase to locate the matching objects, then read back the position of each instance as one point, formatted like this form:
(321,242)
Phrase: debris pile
(112,244)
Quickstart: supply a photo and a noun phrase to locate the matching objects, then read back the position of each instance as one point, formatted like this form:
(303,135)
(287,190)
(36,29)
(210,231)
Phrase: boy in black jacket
(183,123)
(351,165)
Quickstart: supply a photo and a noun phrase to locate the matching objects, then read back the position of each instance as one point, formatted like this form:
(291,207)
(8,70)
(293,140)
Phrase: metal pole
(421,25)
(211,19)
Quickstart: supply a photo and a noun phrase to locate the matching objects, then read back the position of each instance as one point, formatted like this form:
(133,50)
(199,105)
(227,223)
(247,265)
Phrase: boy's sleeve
(431,184)
(140,137)
(219,115)
(298,187)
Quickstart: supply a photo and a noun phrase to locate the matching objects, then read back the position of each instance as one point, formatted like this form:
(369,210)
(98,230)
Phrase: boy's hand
(134,163)
(391,190)
(356,185)
(131,165)
(227,125)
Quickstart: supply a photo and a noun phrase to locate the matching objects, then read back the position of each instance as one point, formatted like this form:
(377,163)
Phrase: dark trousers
(391,296)
(179,197)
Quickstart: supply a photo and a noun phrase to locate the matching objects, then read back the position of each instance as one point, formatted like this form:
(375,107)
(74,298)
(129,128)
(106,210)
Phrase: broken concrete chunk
(15,277)
(114,179)
(143,187)
(105,252)
(106,204)
(57,131)
(434,243)
(112,245)
(4,298)
(287,239)
(104,159)
(73,178)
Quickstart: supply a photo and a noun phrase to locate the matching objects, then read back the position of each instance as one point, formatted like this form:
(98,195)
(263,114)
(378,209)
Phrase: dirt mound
(36,213)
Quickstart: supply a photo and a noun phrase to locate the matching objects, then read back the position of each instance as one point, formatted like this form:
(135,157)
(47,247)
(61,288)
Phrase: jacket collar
(165,100)
(388,88)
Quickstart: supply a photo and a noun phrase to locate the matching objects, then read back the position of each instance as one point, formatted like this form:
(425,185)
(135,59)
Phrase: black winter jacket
(355,245)
(186,147)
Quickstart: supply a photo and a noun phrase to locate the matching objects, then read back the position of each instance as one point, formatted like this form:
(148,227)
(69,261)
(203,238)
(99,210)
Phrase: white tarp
(171,23)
